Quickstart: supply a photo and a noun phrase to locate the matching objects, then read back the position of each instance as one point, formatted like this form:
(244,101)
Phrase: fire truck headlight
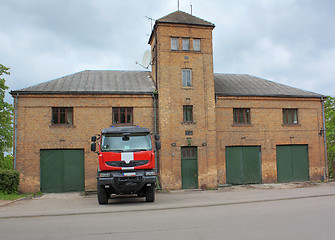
(105,174)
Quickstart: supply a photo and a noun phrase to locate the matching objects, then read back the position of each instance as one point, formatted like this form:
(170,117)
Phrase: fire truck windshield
(126,143)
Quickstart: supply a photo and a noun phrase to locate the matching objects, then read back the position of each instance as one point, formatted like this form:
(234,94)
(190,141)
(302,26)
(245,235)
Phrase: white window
(196,44)
(186,44)
(174,43)
(187,77)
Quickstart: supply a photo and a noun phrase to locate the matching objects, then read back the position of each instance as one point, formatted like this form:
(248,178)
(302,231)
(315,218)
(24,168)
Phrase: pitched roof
(181,17)
(247,85)
(139,82)
(97,82)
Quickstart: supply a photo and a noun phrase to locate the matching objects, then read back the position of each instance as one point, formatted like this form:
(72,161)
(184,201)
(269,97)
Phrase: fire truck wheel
(102,195)
(150,194)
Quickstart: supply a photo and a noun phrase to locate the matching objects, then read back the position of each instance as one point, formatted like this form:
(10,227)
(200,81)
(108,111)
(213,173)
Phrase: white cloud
(288,41)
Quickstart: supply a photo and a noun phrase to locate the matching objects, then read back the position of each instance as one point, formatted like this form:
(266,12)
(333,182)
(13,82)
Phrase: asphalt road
(288,214)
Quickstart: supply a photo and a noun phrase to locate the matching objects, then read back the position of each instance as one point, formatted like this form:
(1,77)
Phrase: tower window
(187,77)
(188,113)
(186,44)
(196,44)
(174,43)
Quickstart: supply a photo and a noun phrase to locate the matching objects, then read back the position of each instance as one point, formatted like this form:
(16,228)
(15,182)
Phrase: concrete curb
(164,208)
(14,201)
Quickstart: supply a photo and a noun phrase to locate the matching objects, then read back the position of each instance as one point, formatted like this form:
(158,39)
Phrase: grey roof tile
(183,18)
(247,85)
(97,82)
(139,82)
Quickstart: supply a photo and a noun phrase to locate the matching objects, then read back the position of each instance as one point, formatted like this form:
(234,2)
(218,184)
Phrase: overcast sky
(286,41)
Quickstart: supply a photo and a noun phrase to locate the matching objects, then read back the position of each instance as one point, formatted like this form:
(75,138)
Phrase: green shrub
(9,181)
(6,162)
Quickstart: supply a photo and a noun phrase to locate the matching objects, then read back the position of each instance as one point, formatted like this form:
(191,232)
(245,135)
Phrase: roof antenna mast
(178,4)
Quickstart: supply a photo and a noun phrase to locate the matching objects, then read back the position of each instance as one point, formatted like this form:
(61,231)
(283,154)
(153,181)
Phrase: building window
(62,115)
(188,113)
(241,115)
(174,44)
(186,44)
(122,115)
(290,116)
(196,44)
(187,77)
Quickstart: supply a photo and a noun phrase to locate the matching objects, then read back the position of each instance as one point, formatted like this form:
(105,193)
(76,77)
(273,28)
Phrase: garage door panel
(252,165)
(284,164)
(300,163)
(73,170)
(51,171)
(234,166)
(243,165)
(62,170)
(292,163)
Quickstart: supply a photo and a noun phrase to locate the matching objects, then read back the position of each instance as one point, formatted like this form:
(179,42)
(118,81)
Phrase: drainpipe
(324,138)
(15,130)
(154,96)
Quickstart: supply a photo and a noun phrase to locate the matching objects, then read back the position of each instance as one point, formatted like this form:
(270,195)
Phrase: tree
(6,116)
(330,130)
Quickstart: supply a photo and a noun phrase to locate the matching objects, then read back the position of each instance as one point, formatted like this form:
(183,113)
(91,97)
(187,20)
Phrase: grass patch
(13,196)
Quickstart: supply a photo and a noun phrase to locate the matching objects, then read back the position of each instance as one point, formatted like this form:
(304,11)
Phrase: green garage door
(243,164)
(292,163)
(62,170)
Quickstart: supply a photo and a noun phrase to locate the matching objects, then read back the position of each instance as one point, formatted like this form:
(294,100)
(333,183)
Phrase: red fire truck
(126,162)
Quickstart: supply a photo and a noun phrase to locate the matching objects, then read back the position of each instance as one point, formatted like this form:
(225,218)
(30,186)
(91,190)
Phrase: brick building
(214,128)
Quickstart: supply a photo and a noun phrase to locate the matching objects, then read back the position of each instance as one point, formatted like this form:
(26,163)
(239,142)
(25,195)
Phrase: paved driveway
(79,204)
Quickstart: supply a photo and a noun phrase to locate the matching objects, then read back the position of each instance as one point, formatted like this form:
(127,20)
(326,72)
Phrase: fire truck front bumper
(123,182)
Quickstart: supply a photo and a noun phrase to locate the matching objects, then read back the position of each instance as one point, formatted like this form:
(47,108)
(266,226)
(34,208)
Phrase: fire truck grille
(124,164)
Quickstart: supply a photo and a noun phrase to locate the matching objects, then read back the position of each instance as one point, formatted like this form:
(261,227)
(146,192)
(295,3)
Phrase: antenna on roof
(151,20)
(178,5)
(191,9)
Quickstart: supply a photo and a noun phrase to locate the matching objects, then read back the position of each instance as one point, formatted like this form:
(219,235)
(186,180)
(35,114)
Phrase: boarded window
(122,115)
(241,116)
(62,115)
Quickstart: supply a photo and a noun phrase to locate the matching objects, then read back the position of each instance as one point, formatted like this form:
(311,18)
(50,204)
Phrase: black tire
(150,194)
(102,195)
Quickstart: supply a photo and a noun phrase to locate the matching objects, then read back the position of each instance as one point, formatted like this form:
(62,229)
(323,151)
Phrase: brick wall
(267,130)
(91,114)
(172,97)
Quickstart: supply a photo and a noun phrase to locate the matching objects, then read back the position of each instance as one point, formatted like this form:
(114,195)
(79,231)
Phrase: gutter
(324,139)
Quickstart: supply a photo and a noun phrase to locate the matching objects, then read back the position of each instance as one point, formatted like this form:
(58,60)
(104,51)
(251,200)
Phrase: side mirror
(157,137)
(93,139)
(93,146)
(158,145)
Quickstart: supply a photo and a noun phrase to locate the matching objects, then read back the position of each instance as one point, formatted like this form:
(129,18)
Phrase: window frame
(198,45)
(59,116)
(186,109)
(186,79)
(185,44)
(246,116)
(174,44)
(294,116)
(128,111)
